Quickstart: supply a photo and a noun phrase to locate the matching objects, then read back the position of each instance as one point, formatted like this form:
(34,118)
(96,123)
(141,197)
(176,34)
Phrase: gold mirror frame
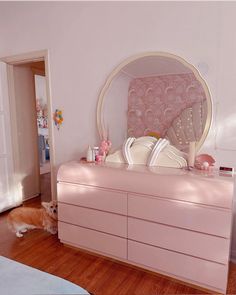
(101,98)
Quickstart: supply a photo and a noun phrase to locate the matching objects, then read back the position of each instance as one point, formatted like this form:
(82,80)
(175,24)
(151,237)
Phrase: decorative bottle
(89,154)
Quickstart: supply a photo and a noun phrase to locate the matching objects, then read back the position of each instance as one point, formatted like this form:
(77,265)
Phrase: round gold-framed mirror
(156,93)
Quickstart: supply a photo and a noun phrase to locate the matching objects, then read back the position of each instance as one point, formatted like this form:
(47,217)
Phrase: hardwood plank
(97,274)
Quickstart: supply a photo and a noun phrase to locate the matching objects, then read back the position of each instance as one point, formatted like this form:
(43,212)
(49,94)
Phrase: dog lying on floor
(23,218)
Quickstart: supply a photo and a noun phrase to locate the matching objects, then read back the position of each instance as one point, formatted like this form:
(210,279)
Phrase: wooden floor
(96,274)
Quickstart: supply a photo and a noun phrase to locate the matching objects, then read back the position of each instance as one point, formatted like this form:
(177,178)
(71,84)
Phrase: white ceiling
(154,66)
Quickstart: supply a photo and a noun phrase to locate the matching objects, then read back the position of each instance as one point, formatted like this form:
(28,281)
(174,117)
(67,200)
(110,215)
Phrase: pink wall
(154,102)
(87,40)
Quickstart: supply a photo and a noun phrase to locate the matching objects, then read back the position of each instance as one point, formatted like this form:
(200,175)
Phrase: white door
(10,195)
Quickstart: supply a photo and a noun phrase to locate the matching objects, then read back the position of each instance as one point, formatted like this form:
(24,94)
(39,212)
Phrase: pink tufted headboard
(154,102)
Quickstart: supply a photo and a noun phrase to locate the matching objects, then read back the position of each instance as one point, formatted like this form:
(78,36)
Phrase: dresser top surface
(161,171)
(196,186)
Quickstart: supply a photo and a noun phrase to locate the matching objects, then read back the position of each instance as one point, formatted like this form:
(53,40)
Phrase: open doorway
(31,125)
(33,129)
(38,69)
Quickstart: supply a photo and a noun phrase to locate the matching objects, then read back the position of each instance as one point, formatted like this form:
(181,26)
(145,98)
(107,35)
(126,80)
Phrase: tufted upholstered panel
(154,103)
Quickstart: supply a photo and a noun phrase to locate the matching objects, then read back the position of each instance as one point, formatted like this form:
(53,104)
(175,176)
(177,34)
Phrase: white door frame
(42,55)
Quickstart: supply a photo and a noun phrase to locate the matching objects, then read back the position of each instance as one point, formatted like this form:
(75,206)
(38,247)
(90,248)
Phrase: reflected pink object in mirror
(104,147)
(204,162)
(155,101)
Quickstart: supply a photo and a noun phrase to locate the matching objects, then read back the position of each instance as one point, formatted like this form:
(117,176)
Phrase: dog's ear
(45,205)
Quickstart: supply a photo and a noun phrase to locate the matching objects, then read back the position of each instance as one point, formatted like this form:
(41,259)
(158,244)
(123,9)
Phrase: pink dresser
(170,221)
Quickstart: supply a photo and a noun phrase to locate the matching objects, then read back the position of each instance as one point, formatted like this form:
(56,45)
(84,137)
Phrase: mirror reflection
(159,95)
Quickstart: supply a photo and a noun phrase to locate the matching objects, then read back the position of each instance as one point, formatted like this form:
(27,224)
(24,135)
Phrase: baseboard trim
(31,197)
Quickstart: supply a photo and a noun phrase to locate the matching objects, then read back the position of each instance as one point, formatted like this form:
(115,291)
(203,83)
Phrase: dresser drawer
(92,197)
(92,240)
(214,221)
(93,219)
(184,241)
(205,273)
